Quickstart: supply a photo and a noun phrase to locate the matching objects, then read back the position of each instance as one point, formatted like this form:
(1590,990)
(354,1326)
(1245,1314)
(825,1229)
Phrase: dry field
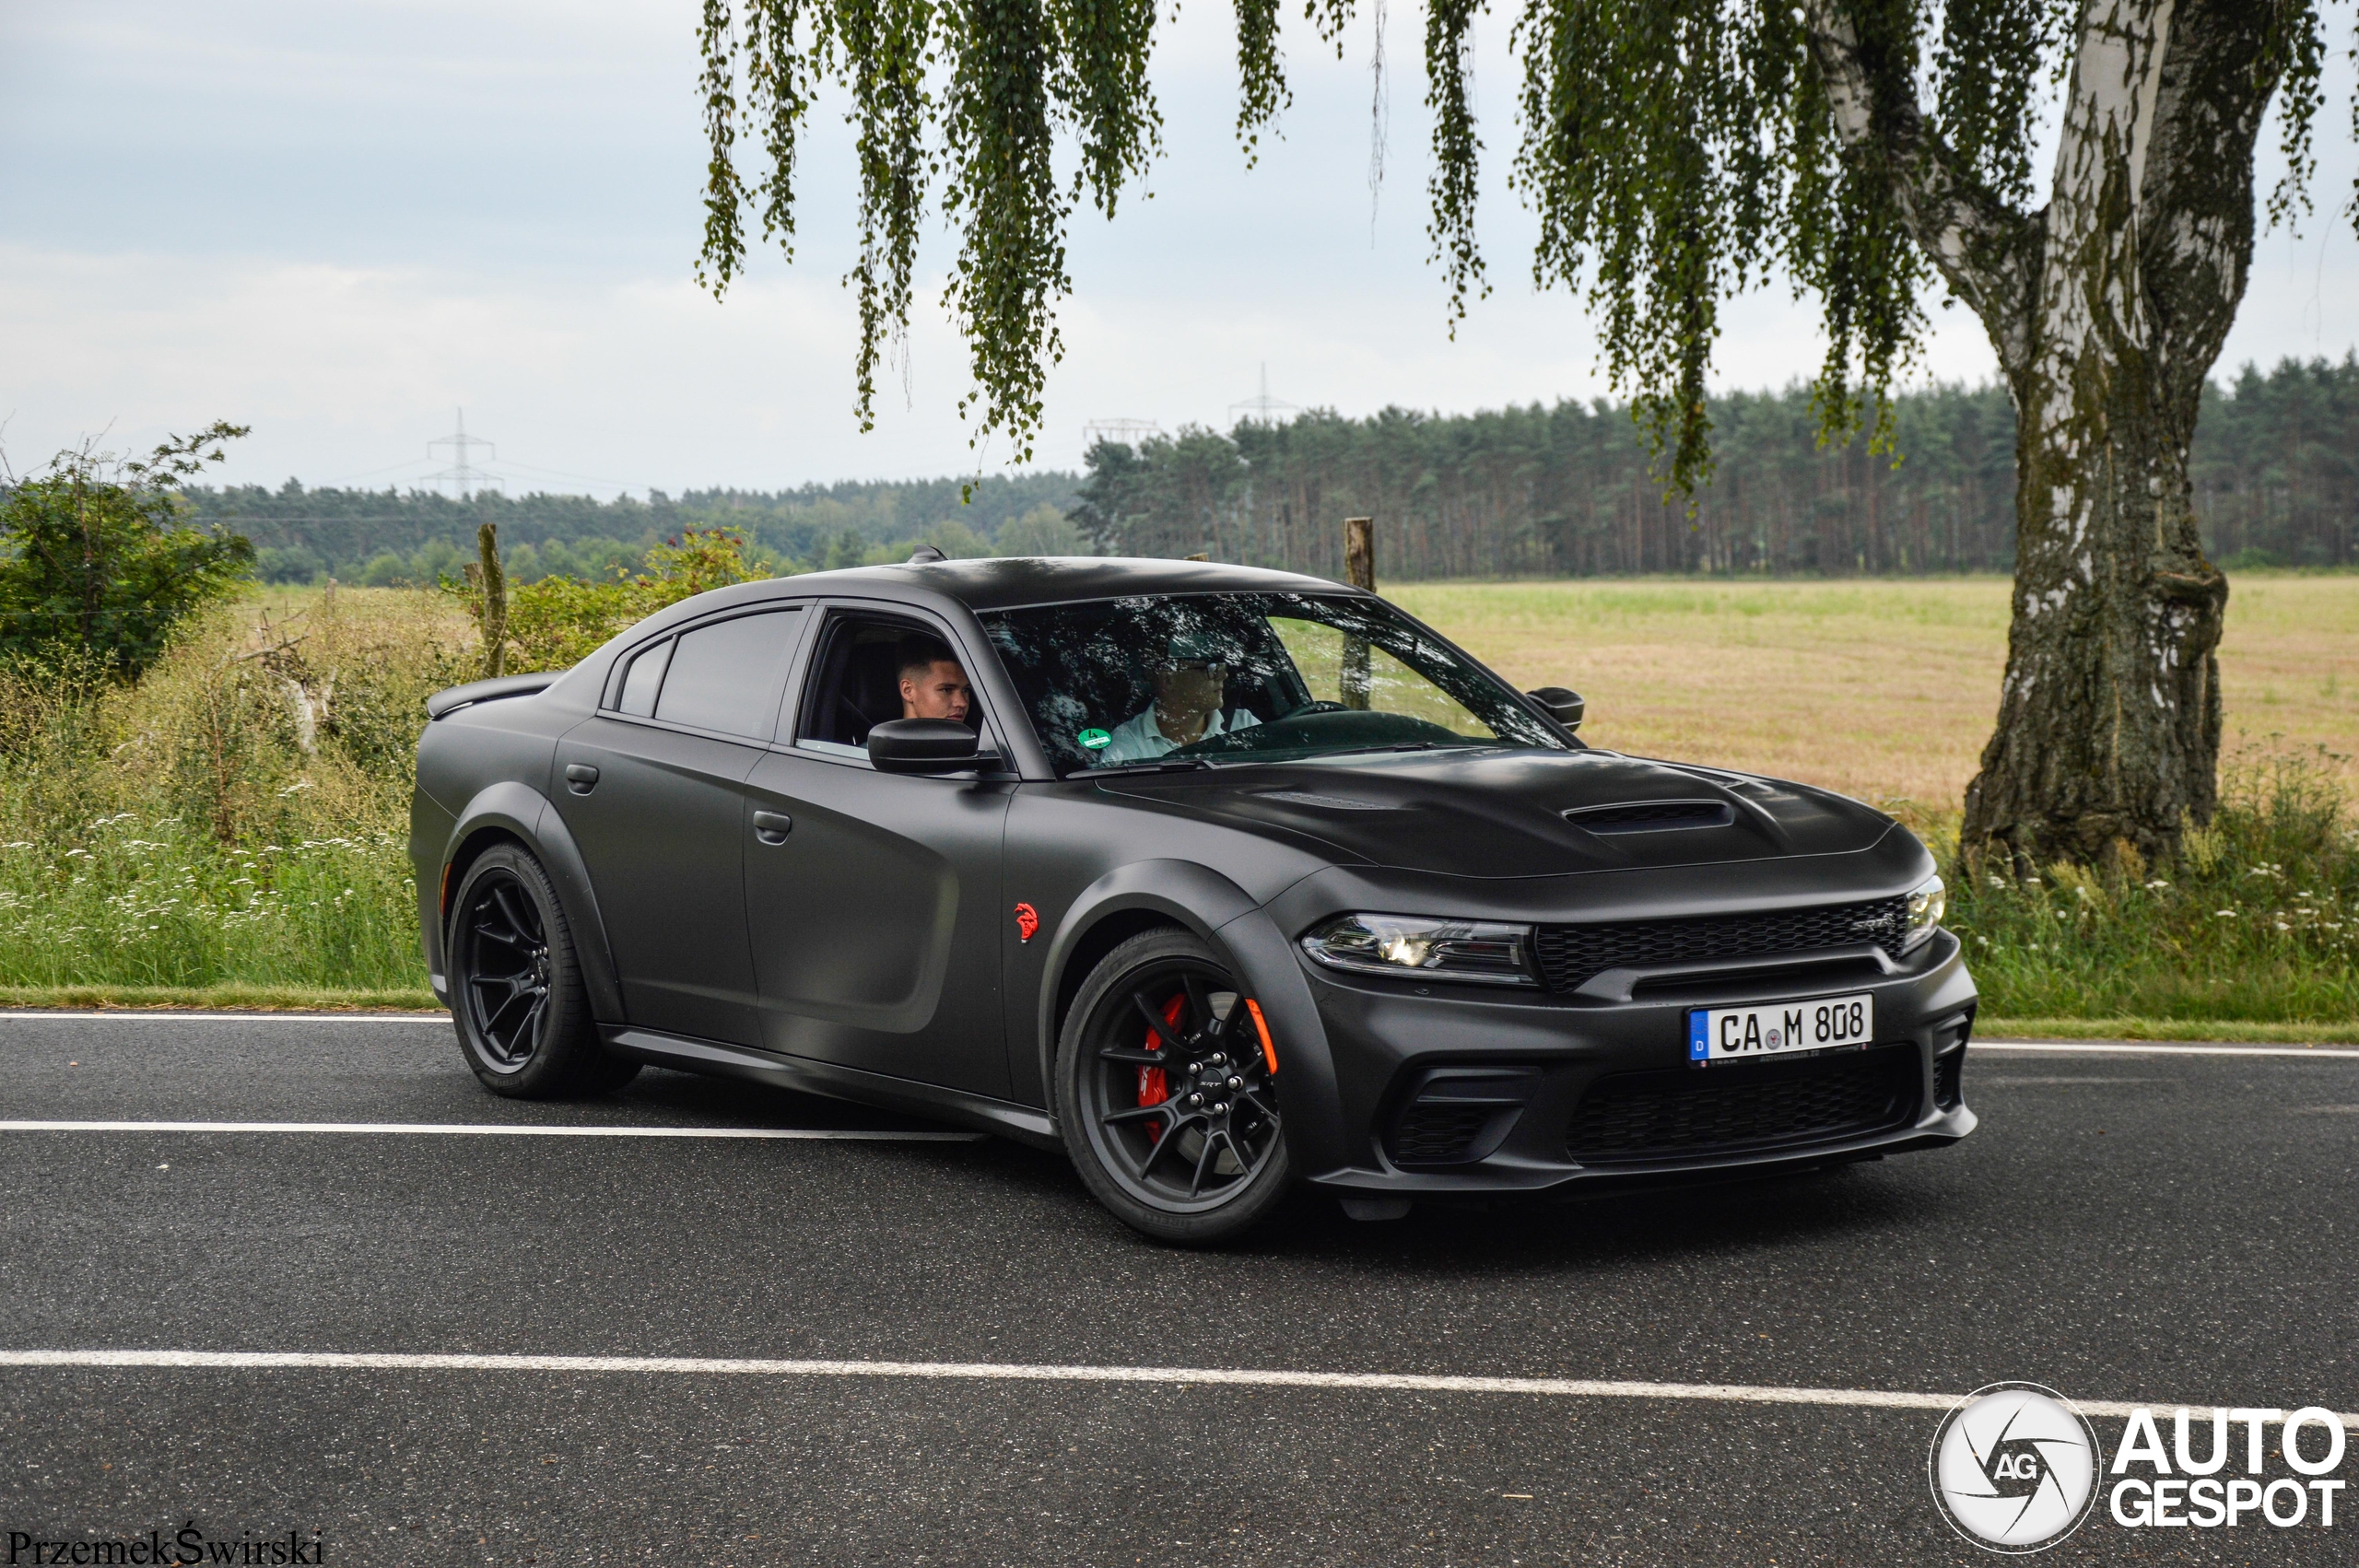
(1882,689)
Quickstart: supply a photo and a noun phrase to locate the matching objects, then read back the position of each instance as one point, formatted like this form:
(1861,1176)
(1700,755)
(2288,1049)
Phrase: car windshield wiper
(1169,765)
(1393,746)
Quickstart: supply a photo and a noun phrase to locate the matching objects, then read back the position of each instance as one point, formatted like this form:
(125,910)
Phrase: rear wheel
(1165,1095)
(516,992)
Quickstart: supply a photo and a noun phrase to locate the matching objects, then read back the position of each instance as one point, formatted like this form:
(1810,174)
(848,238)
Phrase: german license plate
(1778,1028)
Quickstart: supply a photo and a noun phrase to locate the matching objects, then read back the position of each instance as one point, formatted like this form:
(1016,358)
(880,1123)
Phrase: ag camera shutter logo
(2015,1467)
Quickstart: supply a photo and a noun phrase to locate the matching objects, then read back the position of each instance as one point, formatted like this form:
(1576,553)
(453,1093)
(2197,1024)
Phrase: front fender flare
(523,812)
(1223,914)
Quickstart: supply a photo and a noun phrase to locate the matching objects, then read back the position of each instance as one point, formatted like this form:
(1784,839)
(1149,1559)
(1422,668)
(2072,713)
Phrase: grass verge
(2226,1031)
(264,999)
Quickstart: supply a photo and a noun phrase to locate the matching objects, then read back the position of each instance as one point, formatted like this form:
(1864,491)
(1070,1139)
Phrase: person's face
(1189,691)
(943,694)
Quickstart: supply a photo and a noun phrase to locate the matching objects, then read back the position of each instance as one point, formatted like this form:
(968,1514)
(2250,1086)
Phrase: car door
(653,790)
(874,910)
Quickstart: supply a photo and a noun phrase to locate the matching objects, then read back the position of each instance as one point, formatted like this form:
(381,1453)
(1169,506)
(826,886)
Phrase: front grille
(1570,956)
(1949,1076)
(1690,1113)
(1437,1135)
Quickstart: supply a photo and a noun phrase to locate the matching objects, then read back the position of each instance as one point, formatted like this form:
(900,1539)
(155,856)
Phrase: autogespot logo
(2015,1467)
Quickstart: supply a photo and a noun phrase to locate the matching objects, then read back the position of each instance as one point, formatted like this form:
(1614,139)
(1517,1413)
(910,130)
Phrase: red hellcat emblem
(1028,920)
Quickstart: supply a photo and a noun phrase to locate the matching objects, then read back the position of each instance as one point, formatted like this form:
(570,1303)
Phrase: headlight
(1402,945)
(1925,906)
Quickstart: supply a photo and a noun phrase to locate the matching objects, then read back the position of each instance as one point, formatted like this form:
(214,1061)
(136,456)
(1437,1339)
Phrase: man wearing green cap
(1191,684)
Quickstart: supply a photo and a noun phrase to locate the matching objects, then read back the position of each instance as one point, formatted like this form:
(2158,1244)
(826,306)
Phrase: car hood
(1521,814)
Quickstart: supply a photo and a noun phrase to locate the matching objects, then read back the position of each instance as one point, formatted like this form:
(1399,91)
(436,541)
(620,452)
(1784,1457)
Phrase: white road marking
(848,1134)
(2125,1048)
(2011,1081)
(1561,1388)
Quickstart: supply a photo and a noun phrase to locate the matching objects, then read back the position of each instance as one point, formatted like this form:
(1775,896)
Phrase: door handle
(771,827)
(580,777)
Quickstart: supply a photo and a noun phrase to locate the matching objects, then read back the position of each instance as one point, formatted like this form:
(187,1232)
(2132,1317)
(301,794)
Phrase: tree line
(390,536)
(1533,491)
(1571,491)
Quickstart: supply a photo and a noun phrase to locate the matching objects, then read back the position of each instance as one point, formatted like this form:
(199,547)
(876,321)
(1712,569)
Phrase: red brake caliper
(1153,1088)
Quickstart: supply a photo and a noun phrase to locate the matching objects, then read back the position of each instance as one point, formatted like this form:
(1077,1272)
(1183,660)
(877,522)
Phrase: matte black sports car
(1220,880)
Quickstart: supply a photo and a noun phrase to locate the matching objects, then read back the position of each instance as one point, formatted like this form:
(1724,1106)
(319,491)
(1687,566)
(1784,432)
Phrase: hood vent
(1652,816)
(1328,803)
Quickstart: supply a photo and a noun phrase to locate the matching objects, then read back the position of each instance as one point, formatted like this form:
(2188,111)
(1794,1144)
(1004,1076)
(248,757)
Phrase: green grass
(1989,1029)
(2257,922)
(236,998)
(132,900)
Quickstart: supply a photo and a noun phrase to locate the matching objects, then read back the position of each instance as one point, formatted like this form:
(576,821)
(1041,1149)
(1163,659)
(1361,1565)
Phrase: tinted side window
(725,677)
(640,682)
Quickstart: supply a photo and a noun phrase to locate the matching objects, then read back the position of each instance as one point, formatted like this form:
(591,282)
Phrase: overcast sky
(338,223)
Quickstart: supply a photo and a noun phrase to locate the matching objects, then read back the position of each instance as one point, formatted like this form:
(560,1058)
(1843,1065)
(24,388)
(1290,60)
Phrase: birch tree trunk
(2108,307)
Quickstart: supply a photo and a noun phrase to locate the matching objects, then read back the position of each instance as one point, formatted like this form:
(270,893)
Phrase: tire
(1153,1007)
(517,996)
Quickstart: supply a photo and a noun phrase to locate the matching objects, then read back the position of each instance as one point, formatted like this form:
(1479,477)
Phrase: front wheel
(1164,1095)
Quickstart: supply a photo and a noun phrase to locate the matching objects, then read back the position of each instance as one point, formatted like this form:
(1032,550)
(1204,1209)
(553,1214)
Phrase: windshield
(1177,679)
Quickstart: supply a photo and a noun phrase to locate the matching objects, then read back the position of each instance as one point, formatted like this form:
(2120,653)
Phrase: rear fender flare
(517,811)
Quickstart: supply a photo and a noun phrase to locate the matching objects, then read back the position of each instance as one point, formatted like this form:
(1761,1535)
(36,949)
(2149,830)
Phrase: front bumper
(1544,1064)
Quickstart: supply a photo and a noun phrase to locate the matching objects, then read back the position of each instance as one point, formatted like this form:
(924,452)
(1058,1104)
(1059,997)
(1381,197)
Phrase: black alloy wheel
(517,997)
(507,968)
(1165,1095)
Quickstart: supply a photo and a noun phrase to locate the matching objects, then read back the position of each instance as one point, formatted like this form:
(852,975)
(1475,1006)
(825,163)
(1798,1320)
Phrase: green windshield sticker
(1096,740)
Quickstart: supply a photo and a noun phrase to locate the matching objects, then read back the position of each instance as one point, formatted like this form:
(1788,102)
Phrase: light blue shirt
(1139,739)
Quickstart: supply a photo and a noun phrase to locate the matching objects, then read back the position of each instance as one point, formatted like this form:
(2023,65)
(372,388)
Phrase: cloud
(341,223)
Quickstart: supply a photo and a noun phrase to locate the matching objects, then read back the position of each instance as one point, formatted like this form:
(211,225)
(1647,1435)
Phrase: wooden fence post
(495,601)
(1359,567)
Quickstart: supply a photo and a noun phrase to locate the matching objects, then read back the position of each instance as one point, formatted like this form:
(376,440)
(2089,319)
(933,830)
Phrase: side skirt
(1022,1123)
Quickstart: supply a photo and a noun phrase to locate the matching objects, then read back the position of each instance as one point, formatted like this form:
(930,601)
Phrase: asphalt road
(2166,1228)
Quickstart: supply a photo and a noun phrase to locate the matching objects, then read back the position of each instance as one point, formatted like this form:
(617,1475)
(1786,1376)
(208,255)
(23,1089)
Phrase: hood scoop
(1652,816)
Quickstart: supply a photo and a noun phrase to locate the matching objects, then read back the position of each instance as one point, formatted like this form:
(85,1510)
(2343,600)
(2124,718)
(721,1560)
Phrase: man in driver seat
(1190,683)
(933,684)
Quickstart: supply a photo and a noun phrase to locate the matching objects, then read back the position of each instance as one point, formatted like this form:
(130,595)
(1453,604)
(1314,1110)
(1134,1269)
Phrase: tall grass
(238,816)
(2257,921)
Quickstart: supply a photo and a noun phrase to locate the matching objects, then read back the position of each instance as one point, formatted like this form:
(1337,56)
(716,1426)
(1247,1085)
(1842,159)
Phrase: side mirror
(1564,707)
(924,746)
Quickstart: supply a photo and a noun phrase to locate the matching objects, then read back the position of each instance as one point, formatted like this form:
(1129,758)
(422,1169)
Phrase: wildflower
(2156,886)
(2225,914)
(2283,927)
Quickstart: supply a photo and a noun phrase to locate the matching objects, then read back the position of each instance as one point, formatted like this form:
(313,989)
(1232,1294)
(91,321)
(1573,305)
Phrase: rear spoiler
(449,701)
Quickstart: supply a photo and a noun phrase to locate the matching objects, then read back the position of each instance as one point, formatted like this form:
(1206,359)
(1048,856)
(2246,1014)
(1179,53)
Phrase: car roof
(1007,583)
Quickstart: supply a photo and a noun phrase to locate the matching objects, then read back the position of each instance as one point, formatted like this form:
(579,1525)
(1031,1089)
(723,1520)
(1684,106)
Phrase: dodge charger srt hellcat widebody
(1224,881)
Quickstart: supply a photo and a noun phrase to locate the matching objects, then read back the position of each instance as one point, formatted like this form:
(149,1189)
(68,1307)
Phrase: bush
(555,623)
(96,558)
